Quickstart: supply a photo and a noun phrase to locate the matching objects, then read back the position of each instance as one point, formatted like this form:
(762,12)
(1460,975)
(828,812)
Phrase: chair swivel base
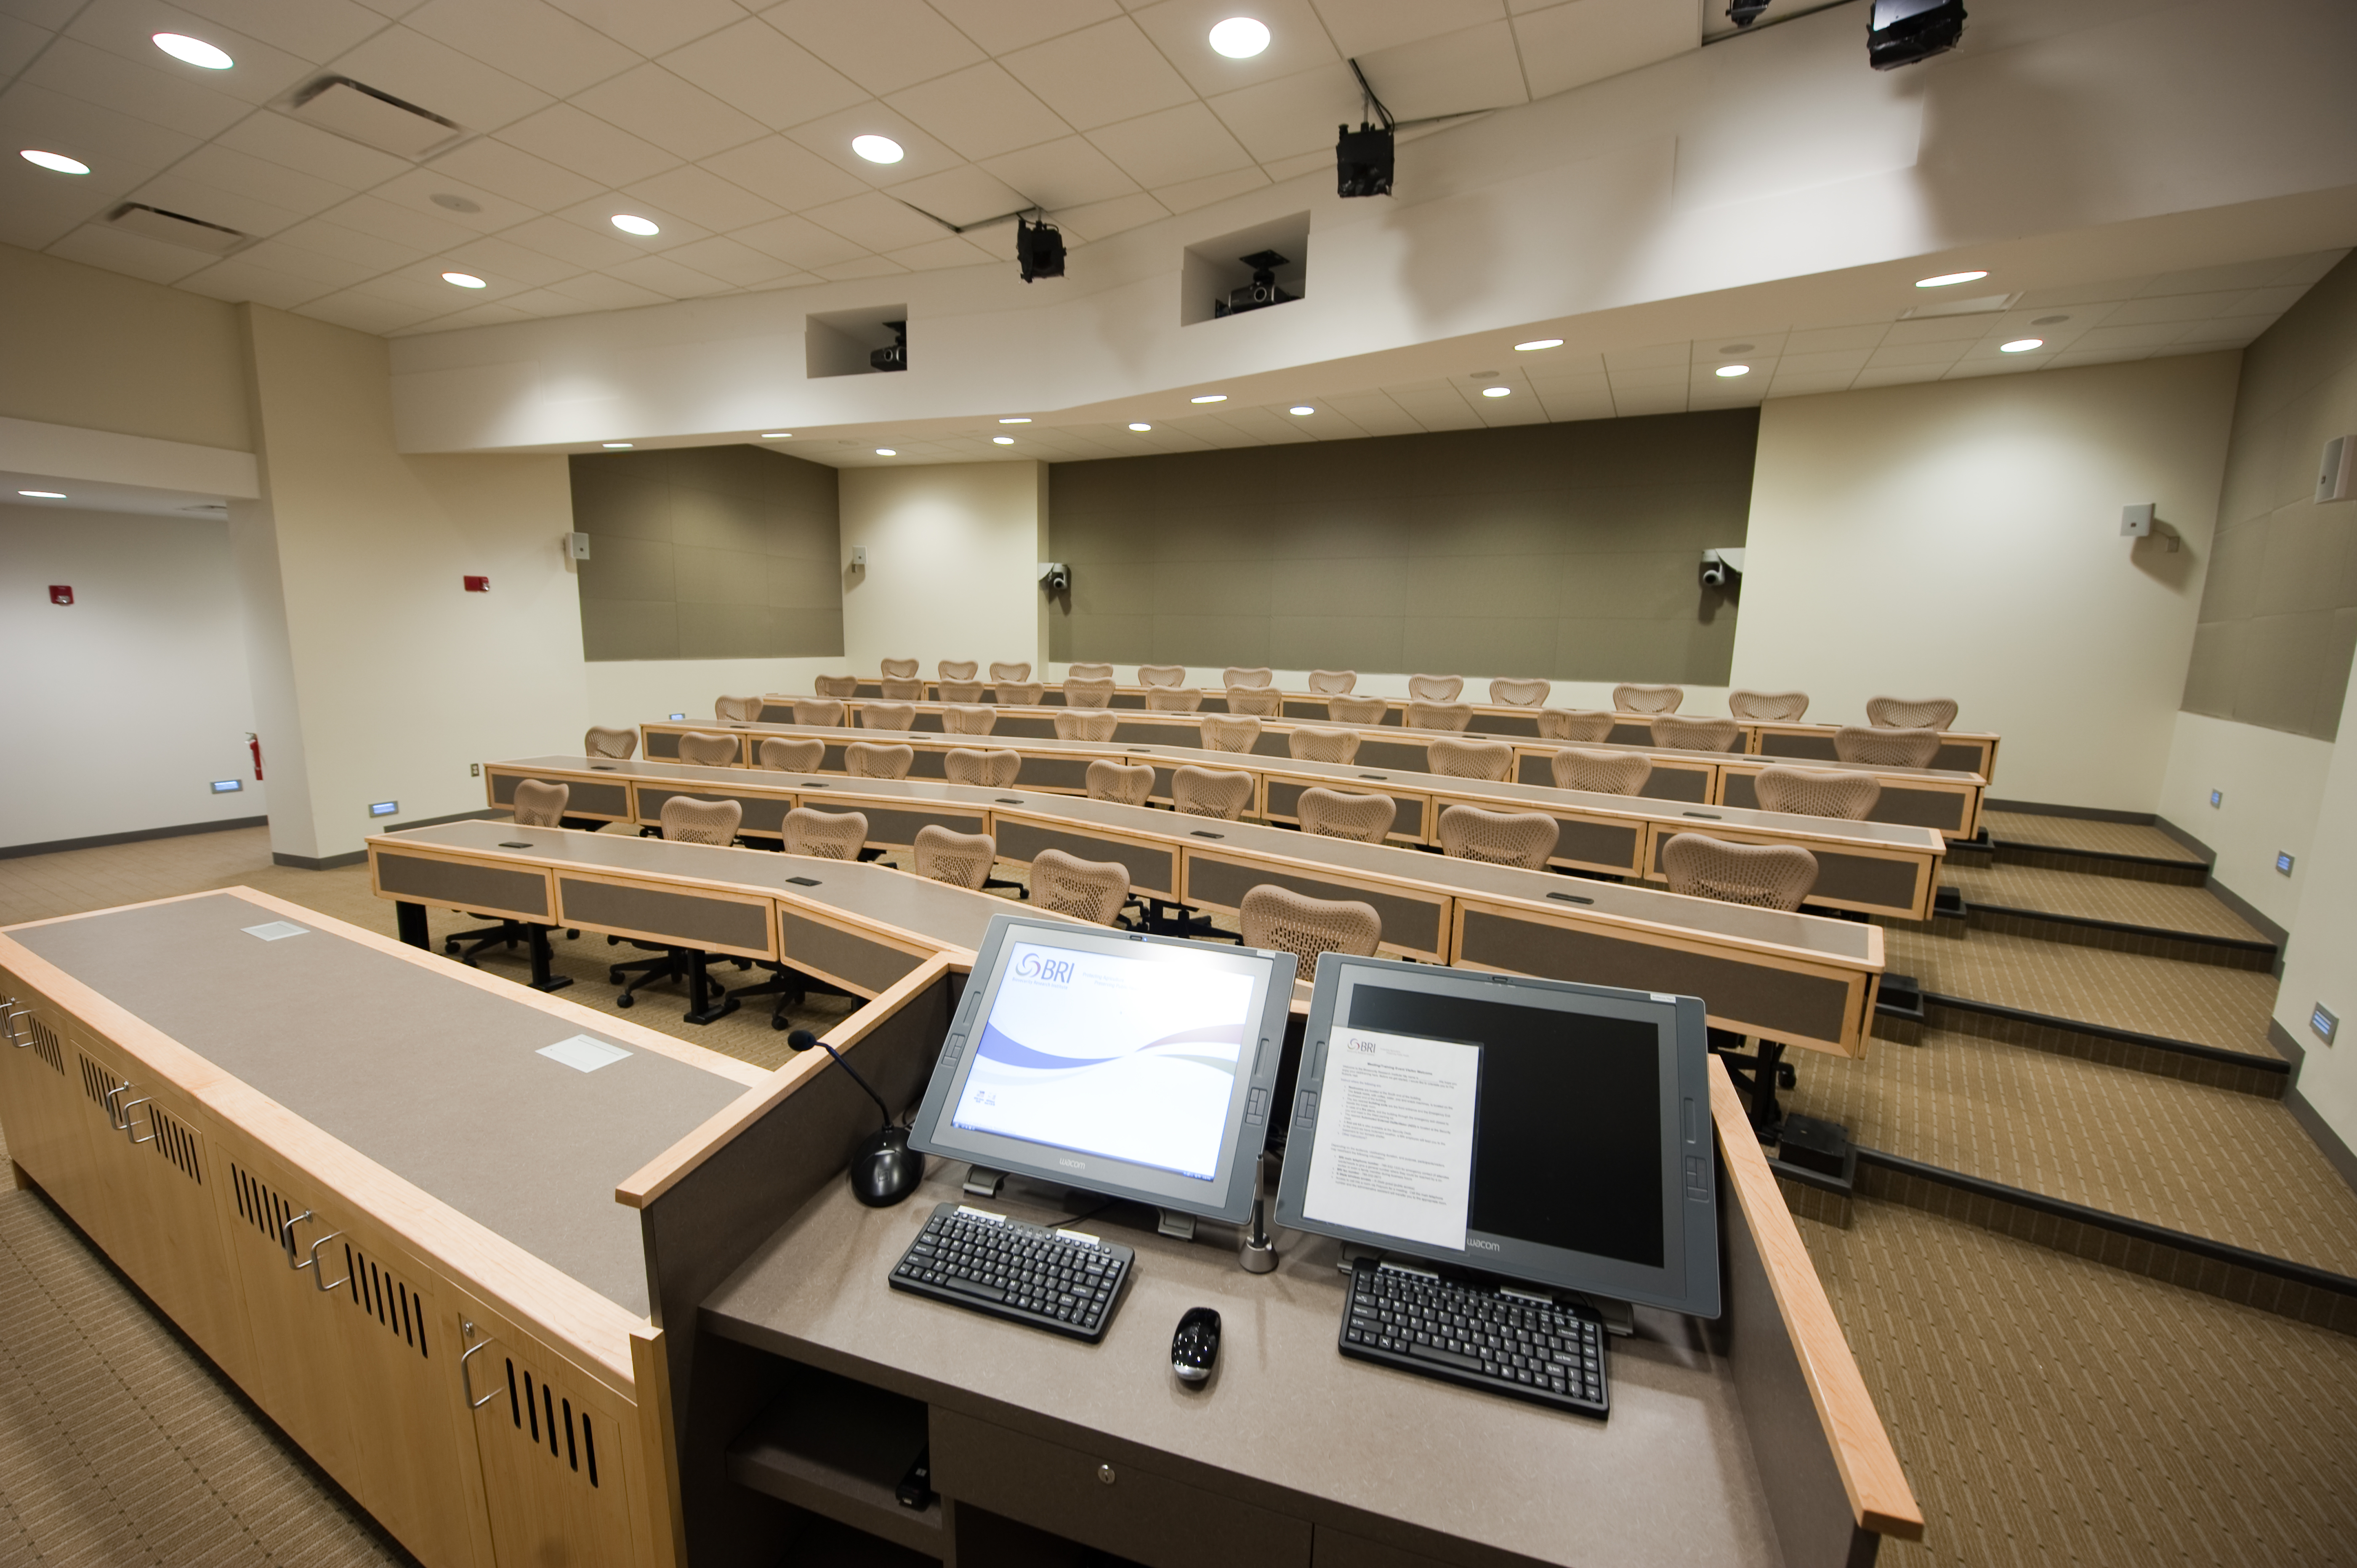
(506,934)
(791,987)
(707,1002)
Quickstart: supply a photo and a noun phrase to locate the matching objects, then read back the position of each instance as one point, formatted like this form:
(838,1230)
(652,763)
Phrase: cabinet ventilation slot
(98,1083)
(45,1046)
(263,1209)
(178,1144)
(392,1302)
(535,1410)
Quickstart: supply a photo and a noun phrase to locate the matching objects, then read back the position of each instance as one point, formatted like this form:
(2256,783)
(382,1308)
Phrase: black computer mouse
(885,1169)
(1195,1348)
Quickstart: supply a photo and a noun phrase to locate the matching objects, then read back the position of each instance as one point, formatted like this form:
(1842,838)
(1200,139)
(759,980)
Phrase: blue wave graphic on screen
(1007,1051)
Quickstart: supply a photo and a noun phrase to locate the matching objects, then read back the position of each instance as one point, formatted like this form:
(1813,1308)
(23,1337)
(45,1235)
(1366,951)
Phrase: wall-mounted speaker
(2335,476)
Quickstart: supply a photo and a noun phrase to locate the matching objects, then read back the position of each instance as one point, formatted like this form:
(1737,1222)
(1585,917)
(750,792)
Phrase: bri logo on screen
(1047,970)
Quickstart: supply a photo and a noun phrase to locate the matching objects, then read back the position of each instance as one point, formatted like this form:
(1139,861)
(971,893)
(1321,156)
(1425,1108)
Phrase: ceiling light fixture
(1002,441)
(631,224)
(777,436)
(617,445)
(55,162)
(1497,391)
(463,280)
(1136,424)
(877,149)
(1301,408)
(193,52)
(1209,397)
(886,451)
(1017,419)
(1731,372)
(1240,38)
(1947,279)
(1538,343)
(2021,346)
(44,495)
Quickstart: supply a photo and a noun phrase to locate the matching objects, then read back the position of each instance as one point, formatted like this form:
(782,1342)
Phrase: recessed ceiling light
(2021,346)
(1240,38)
(1736,348)
(58,162)
(1018,419)
(1136,424)
(1497,391)
(193,52)
(631,224)
(617,445)
(886,451)
(1301,408)
(1731,372)
(463,280)
(2050,321)
(44,495)
(1209,397)
(1945,279)
(876,149)
(1538,343)
(777,436)
(1002,441)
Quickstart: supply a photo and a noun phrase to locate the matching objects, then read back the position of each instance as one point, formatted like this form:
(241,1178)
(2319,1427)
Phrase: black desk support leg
(410,922)
(702,1006)
(541,978)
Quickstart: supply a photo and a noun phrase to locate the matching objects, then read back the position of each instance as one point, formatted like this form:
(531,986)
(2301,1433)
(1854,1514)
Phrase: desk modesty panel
(377,1189)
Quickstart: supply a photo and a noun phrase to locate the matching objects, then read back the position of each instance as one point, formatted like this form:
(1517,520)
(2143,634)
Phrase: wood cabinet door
(39,1088)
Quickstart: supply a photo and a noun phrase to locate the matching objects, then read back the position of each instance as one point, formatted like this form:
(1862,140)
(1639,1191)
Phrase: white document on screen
(1394,1149)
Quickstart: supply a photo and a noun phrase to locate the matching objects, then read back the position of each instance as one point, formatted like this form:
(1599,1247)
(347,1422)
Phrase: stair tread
(2157,906)
(2068,833)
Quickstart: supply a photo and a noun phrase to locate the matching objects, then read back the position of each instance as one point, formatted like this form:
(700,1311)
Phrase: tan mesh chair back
(967,692)
(539,805)
(1020,694)
(958,669)
(1519,693)
(1818,791)
(1091,890)
(1357,710)
(1262,702)
(1346,814)
(819,710)
(1648,699)
(1866,746)
(888,716)
(1230,732)
(1001,672)
(1574,723)
(1162,674)
(961,718)
(1774,708)
(1282,921)
(1333,683)
(1500,838)
(686,820)
(1210,792)
(704,750)
(1094,693)
(1600,772)
(835,686)
(737,710)
(1766,876)
(1312,745)
(1899,713)
(1489,759)
(989,766)
(1091,725)
(1120,783)
(826,835)
(868,759)
(961,860)
(1239,676)
(1088,671)
(898,669)
(793,754)
(1452,716)
(1173,699)
(1697,735)
(621,745)
(1435,688)
(903,689)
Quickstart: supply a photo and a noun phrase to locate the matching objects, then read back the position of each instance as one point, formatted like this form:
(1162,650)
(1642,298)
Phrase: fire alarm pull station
(59,594)
(479,584)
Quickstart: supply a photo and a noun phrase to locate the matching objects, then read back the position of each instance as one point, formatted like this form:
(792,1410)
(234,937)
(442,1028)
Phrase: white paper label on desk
(1394,1149)
(270,931)
(583,1053)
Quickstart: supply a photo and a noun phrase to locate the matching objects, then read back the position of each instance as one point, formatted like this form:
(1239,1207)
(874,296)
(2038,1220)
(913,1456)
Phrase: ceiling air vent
(375,119)
(1986,305)
(178,229)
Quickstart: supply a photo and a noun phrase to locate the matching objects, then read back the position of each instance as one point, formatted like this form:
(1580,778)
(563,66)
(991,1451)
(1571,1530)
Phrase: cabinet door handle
(466,1381)
(113,1111)
(130,1105)
(319,1282)
(9,1014)
(286,1241)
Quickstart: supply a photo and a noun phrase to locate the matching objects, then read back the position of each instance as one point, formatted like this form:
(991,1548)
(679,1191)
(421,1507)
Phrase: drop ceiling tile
(496,258)
(492,313)
(416,189)
(830,136)
(329,272)
(883,45)
(1593,404)
(1963,370)
(290,144)
(528,39)
(1098,220)
(1828,340)
(1558,364)
(19,42)
(1807,384)
(667,277)
(962,196)
(800,241)
(372,252)
(1651,400)
(432,75)
(49,16)
(127,28)
(2306,270)
(754,67)
(2149,335)
(2090,356)
(198,199)
(785,172)
(1564,46)
(1181,29)
(1000,26)
(1062,174)
(1100,74)
(2226,331)
(548,301)
(34,215)
(120,252)
(526,178)
(862,267)
(373,214)
(1894,375)
(1320,162)
(2237,278)
(2173,307)
(552,236)
(1456,73)
(1653,358)
(121,149)
(1293,116)
(680,118)
(238,279)
(1899,354)
(95,76)
(2265,301)
(949,251)
(1939,329)
(605,293)
(1846,362)
(651,29)
(1360,27)
(1170,145)
(394,8)
(420,288)
(2082,293)
(1761,343)
(877,221)
(1188,195)
(736,263)
(979,111)
(313,29)
(596,215)
(363,313)
(588,146)
(705,199)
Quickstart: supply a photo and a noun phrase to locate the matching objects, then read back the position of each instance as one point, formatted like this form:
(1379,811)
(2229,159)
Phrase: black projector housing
(1900,32)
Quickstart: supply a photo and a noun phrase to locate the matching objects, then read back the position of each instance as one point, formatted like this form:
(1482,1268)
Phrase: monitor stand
(983,1182)
(1180,1226)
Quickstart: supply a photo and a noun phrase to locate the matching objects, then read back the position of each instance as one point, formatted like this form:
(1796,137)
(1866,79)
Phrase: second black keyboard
(1062,1281)
(1498,1339)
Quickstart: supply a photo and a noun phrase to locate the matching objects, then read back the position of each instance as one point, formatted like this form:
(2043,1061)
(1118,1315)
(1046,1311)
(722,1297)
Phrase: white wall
(2271,786)
(623,693)
(133,698)
(1960,539)
(953,563)
(2320,963)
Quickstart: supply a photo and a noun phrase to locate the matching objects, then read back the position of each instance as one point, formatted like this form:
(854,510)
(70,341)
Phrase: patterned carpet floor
(2079,833)
(2165,905)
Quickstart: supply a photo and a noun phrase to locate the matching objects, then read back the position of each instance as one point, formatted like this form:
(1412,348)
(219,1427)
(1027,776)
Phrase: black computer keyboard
(1496,1338)
(1061,1281)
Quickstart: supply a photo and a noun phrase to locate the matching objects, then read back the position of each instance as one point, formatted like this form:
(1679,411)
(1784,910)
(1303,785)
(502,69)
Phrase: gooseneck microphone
(802,1040)
(883,1169)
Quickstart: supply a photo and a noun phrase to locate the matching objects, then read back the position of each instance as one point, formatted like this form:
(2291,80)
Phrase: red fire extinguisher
(254,744)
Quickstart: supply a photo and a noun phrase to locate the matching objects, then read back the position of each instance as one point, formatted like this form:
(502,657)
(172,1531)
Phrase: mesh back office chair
(1600,772)
(1333,683)
(536,805)
(1648,699)
(899,669)
(1773,707)
(1096,724)
(967,718)
(989,768)
(1818,792)
(1323,745)
(737,710)
(1346,814)
(825,835)
(539,805)
(1262,702)
(1162,674)
(1519,693)
(1696,734)
(1454,717)
(1230,732)
(1120,783)
(1020,694)
(1435,688)
(1574,723)
(1499,838)
(1358,709)
(1094,693)
(700,750)
(1285,921)
(1001,671)
(1865,747)
(903,689)
(685,820)
(1088,671)
(1489,759)
(961,860)
(1173,699)
(1764,876)
(1210,792)
(871,759)
(1236,675)
(888,716)
(1091,890)
(957,669)
(1899,713)
(819,711)
(620,744)
(793,754)
(962,691)
(835,686)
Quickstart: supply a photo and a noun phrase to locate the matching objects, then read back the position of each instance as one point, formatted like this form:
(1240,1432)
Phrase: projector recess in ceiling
(177,229)
(375,118)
